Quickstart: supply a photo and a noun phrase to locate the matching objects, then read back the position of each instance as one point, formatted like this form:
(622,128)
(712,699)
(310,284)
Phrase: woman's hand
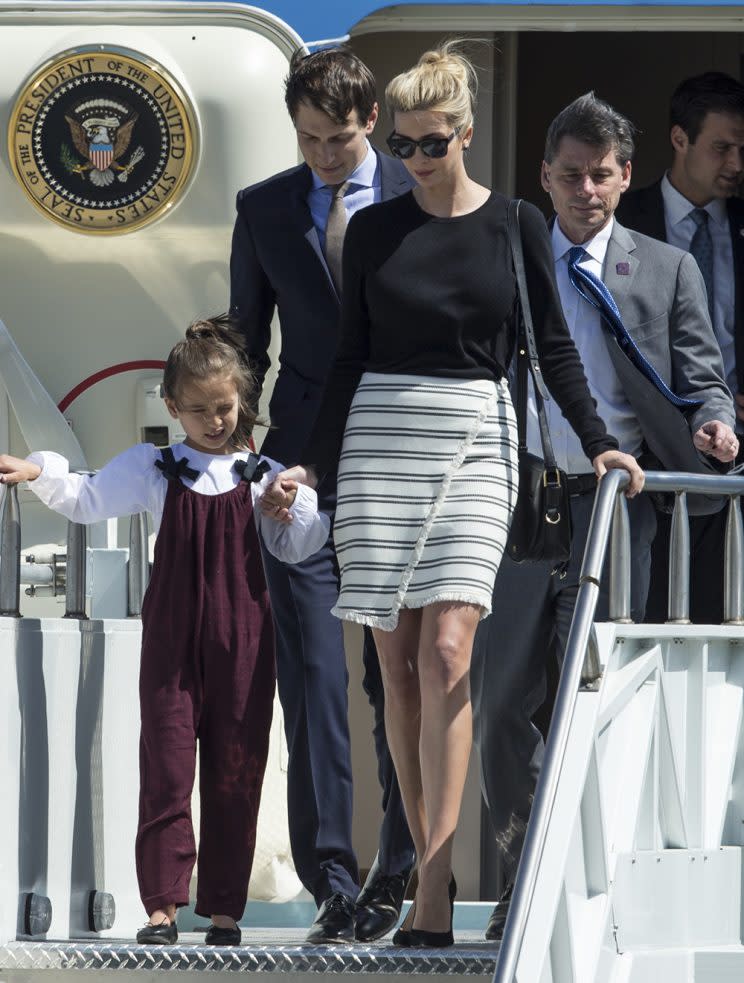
(608,460)
(302,473)
(14,470)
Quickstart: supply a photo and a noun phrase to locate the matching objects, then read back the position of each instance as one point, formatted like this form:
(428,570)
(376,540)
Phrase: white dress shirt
(584,324)
(680,229)
(131,483)
(364,189)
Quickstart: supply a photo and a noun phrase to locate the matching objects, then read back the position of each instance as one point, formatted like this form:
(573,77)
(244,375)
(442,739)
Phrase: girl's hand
(278,498)
(14,470)
(608,460)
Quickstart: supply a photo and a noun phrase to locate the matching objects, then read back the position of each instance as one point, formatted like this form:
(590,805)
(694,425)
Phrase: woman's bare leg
(398,653)
(446,733)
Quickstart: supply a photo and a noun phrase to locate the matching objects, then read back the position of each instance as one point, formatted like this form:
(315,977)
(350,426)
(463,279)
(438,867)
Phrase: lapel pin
(622,269)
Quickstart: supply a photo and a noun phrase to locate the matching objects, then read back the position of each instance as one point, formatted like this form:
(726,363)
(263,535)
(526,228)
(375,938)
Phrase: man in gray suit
(662,304)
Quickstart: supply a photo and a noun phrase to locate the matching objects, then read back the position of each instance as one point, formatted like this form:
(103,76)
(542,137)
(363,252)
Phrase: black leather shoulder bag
(541,524)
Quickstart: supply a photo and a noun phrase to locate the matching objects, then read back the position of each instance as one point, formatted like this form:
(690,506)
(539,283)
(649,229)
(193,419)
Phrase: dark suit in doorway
(643,210)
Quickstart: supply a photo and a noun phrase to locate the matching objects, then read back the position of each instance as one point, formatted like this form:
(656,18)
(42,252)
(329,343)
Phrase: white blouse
(131,483)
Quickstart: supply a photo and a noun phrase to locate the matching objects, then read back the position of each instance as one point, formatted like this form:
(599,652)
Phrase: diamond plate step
(265,951)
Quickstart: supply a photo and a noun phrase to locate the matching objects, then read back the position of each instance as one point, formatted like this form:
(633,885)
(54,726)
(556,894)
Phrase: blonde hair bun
(443,80)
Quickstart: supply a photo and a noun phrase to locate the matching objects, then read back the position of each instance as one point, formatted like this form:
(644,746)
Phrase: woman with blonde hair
(427,475)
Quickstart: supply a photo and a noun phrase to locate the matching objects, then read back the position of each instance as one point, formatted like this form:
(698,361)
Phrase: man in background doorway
(694,207)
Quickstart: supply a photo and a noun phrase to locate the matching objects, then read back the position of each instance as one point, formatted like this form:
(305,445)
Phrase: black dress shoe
(379,902)
(166,933)
(222,936)
(334,922)
(497,921)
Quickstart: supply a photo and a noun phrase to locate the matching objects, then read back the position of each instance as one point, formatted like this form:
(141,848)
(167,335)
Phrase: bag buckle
(555,482)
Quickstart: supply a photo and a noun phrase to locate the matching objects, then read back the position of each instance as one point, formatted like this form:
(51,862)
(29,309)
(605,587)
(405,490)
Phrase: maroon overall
(207,674)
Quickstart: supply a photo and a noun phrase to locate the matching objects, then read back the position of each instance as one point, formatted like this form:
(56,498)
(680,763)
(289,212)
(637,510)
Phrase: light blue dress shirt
(364,189)
(680,229)
(586,329)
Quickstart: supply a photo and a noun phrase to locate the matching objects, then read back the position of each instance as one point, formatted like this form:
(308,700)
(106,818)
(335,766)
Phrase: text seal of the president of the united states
(102,140)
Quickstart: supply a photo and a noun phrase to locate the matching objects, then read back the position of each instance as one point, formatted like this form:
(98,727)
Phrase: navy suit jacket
(643,210)
(277,263)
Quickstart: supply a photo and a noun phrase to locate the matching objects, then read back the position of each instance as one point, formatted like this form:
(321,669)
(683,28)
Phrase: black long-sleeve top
(433,296)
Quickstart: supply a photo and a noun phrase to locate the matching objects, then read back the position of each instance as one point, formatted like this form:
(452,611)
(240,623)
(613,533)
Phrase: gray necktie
(335,231)
(701,248)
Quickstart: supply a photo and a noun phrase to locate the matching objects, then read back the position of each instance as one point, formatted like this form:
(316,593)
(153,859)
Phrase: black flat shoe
(334,923)
(222,936)
(379,903)
(166,933)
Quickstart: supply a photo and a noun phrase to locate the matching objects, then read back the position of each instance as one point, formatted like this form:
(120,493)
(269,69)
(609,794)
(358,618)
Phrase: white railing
(639,760)
(68,574)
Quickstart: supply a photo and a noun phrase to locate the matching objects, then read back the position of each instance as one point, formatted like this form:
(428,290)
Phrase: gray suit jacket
(661,296)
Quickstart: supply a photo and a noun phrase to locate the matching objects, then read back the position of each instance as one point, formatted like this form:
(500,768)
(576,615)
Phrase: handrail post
(10,554)
(733,574)
(591,672)
(555,749)
(678,602)
(620,564)
(77,540)
(138,568)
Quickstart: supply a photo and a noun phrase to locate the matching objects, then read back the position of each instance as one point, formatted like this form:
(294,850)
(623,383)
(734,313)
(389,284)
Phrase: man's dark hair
(332,80)
(694,98)
(595,122)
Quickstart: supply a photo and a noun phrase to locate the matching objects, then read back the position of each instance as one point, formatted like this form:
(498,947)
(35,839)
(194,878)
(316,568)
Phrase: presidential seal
(102,140)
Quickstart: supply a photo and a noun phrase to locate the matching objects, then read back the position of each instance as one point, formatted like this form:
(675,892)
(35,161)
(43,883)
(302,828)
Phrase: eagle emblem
(101,131)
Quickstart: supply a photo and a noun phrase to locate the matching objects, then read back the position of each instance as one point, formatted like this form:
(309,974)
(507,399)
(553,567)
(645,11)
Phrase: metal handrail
(576,648)
(10,554)
(77,548)
(138,568)
(70,571)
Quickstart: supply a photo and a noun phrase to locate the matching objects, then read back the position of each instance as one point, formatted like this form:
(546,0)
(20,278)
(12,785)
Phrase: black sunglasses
(405,147)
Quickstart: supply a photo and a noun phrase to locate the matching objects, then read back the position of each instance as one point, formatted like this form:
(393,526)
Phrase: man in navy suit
(707,137)
(285,257)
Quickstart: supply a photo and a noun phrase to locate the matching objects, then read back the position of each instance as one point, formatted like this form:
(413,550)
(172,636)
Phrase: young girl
(207,669)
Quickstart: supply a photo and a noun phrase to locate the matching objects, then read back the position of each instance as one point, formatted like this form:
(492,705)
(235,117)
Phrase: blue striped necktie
(593,290)
(701,247)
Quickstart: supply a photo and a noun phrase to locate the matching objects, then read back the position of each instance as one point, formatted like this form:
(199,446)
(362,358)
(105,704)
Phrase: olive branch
(68,160)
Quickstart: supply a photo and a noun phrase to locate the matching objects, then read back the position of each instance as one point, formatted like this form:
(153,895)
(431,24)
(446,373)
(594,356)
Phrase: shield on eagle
(101,155)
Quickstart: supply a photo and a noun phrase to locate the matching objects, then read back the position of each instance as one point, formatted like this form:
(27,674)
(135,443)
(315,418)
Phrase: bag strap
(526,347)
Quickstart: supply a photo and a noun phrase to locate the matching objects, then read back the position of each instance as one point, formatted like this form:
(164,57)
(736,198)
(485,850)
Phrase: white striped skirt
(427,484)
